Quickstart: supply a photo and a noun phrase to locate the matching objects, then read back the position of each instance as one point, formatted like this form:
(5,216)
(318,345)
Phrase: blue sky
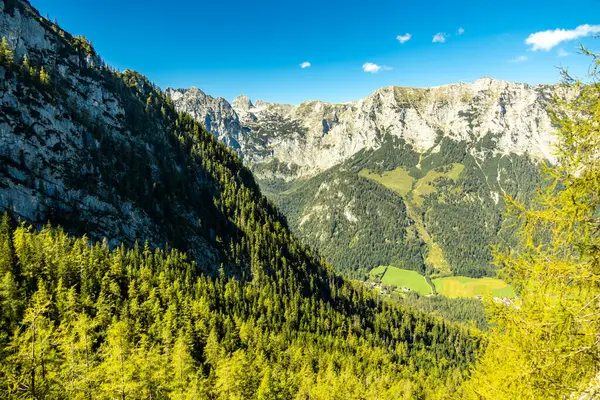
(227,47)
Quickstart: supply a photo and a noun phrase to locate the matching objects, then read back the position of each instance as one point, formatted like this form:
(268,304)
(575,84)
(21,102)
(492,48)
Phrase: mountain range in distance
(408,177)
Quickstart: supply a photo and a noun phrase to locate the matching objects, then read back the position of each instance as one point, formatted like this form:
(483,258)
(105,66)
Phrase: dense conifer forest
(81,320)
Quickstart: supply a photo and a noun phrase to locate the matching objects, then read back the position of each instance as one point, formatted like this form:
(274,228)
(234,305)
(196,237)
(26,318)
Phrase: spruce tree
(6,53)
(44,77)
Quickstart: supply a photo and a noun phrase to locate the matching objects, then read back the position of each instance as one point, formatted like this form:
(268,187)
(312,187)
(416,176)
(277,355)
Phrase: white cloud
(562,53)
(519,59)
(305,64)
(546,40)
(374,68)
(404,38)
(439,37)
(461,31)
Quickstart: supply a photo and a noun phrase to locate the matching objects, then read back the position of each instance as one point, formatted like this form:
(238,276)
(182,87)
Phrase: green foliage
(133,324)
(44,77)
(464,310)
(6,52)
(548,347)
(81,43)
(25,70)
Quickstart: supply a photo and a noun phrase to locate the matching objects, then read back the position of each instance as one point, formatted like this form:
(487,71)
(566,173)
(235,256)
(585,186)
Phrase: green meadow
(460,286)
(402,278)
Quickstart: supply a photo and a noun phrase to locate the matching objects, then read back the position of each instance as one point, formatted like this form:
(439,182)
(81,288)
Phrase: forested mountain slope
(436,213)
(81,320)
(241,308)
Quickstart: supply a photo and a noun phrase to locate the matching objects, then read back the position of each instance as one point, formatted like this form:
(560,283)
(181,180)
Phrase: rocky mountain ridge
(303,140)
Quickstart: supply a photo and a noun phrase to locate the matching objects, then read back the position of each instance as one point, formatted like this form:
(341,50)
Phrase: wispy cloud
(562,53)
(404,38)
(546,40)
(374,68)
(519,59)
(305,64)
(460,31)
(439,37)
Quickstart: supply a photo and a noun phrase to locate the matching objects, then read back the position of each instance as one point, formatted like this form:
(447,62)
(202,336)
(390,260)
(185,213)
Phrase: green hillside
(434,213)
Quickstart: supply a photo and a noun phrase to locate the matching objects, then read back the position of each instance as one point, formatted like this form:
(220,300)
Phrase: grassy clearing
(460,286)
(397,180)
(400,181)
(402,278)
(453,287)
(455,172)
(425,186)
(435,257)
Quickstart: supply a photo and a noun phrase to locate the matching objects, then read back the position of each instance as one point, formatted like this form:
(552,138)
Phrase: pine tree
(25,66)
(76,341)
(32,366)
(182,369)
(6,53)
(10,295)
(547,346)
(151,371)
(118,367)
(44,77)
(7,251)
(268,388)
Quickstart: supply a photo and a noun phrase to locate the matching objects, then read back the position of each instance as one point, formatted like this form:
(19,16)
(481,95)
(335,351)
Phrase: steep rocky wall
(315,136)
(69,152)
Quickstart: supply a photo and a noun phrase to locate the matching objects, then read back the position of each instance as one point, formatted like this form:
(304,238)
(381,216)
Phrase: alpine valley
(164,244)
(412,178)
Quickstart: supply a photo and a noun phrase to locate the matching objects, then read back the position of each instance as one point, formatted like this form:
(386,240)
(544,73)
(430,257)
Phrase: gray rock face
(216,114)
(39,145)
(314,136)
(54,137)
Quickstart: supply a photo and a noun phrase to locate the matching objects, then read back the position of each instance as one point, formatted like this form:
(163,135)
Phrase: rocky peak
(216,114)
(261,104)
(242,103)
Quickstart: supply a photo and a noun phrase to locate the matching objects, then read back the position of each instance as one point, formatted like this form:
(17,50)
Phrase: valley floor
(402,280)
